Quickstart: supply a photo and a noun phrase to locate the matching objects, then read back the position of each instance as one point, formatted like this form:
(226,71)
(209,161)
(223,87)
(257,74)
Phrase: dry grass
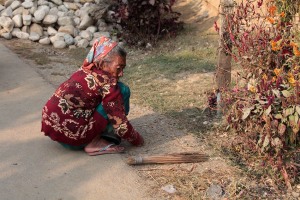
(173,79)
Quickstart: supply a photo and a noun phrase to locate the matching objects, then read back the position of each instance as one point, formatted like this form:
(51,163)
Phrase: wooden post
(223,71)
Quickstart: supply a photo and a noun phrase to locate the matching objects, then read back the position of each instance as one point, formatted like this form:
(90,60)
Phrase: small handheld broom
(173,158)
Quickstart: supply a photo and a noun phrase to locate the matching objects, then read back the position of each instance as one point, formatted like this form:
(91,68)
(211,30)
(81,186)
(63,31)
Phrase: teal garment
(74,148)
(125,91)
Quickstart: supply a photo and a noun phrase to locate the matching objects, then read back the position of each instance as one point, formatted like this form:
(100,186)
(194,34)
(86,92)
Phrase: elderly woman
(92,103)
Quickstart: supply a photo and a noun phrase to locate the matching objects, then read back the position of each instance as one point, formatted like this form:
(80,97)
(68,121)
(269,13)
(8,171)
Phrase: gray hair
(117,50)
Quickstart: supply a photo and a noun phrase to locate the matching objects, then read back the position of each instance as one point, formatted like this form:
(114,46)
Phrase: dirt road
(32,166)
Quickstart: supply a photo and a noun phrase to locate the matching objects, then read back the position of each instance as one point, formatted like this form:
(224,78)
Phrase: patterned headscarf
(99,50)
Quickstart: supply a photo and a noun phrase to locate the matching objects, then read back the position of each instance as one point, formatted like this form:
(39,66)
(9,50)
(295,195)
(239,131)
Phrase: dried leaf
(281,129)
(266,141)
(296,117)
(278,116)
(246,113)
(292,120)
(286,93)
(277,142)
(298,109)
(268,111)
(276,92)
(288,111)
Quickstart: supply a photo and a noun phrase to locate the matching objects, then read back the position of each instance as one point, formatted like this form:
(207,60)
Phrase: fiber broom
(168,158)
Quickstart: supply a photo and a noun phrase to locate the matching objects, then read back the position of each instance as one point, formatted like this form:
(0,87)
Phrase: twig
(153,178)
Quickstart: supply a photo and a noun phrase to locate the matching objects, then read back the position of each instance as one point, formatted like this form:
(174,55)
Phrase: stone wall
(62,23)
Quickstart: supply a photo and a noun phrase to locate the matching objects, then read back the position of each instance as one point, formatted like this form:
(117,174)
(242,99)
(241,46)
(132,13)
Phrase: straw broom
(168,158)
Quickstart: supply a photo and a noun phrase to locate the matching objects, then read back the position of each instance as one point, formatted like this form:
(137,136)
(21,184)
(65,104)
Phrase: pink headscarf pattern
(99,50)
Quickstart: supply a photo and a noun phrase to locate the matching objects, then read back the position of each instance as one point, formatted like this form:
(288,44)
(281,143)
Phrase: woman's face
(116,66)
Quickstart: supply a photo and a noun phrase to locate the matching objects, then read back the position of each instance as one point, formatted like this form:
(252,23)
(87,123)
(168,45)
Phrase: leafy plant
(264,104)
(146,20)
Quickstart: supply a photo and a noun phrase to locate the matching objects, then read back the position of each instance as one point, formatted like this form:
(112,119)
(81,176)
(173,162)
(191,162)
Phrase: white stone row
(62,24)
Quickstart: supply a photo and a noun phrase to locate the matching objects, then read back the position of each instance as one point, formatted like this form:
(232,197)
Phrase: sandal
(109,149)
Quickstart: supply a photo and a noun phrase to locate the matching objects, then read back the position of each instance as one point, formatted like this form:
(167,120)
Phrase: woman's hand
(139,141)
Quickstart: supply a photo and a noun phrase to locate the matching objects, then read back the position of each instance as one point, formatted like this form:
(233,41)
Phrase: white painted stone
(59,44)
(101,34)
(18,11)
(25,29)
(102,26)
(83,43)
(2,31)
(61,14)
(42,2)
(77,39)
(27,20)
(33,9)
(70,13)
(18,21)
(56,37)
(27,4)
(22,35)
(1,7)
(78,13)
(86,21)
(70,6)
(45,34)
(36,28)
(86,35)
(92,41)
(64,21)
(7,36)
(50,19)
(45,40)
(69,29)
(14,31)
(6,23)
(15,5)
(8,3)
(39,14)
(53,11)
(57,2)
(76,20)
(25,12)
(52,5)
(7,12)
(92,29)
(51,31)
(72,47)
(79,5)
(34,36)
(63,8)
(69,39)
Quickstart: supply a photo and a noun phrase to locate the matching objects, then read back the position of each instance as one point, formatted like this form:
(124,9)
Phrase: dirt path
(34,167)
(161,136)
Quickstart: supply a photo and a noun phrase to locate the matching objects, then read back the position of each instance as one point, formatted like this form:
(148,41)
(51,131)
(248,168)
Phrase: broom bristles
(168,158)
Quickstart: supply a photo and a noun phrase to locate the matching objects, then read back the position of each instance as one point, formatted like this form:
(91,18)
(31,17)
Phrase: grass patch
(174,78)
